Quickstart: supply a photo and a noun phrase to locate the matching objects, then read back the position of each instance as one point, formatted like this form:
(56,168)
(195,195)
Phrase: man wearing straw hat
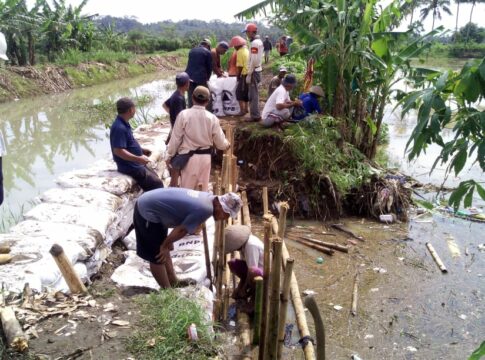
(181,209)
(239,237)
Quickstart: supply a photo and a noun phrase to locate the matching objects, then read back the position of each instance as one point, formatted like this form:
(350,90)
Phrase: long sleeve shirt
(255,56)
(196,128)
(199,65)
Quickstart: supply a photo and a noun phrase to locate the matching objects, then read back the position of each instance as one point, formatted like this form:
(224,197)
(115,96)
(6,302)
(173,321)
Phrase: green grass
(165,317)
(76,57)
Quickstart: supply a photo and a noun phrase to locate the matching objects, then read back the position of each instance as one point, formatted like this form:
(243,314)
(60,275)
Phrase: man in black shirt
(267,48)
(199,66)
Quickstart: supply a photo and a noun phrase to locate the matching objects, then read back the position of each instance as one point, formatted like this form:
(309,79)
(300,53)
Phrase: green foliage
(478,353)
(451,99)
(472,32)
(76,57)
(165,317)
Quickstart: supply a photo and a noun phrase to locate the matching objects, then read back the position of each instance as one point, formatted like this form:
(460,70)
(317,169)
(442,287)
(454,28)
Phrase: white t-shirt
(279,96)
(256,55)
(254,252)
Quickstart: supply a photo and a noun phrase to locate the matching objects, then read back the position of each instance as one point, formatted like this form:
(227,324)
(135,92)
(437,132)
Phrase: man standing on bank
(181,209)
(267,48)
(128,155)
(199,67)
(216,53)
(256,49)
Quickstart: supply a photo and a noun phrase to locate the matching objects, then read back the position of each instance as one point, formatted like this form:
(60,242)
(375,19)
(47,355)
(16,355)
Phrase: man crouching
(181,209)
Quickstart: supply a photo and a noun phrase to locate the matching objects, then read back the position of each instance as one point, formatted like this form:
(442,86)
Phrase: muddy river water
(407,309)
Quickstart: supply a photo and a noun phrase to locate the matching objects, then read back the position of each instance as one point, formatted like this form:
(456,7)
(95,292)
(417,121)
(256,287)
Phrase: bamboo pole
(355,295)
(245,210)
(217,185)
(224,174)
(206,251)
(4,249)
(221,264)
(234,172)
(272,338)
(265,200)
(282,220)
(327,244)
(285,295)
(258,309)
(320,248)
(311,305)
(5,258)
(227,292)
(274,223)
(266,274)
(16,338)
(436,258)
(72,278)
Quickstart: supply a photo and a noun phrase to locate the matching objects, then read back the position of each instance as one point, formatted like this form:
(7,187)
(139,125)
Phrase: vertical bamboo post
(284,304)
(258,309)
(245,209)
(221,264)
(272,338)
(266,274)
(282,220)
(265,200)
(206,250)
(75,284)
(234,172)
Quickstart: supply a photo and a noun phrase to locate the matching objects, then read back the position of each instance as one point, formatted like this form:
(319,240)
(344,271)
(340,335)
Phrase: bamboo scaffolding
(272,338)
(320,248)
(16,338)
(285,295)
(436,258)
(355,295)
(258,309)
(75,284)
(266,272)
(265,200)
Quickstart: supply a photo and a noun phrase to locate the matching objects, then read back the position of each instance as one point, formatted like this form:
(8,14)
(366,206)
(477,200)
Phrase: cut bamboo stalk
(355,295)
(225,159)
(272,338)
(221,264)
(258,309)
(274,223)
(301,322)
(436,258)
(266,274)
(320,248)
(16,338)
(4,249)
(334,246)
(245,210)
(282,220)
(5,258)
(234,172)
(265,200)
(206,251)
(285,295)
(67,270)
(227,290)
(347,231)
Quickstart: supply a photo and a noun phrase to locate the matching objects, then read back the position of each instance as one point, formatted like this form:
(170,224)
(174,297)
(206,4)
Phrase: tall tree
(473,2)
(435,7)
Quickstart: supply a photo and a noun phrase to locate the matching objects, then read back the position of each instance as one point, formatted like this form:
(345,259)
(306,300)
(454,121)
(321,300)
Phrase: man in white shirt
(279,106)
(256,51)
(195,132)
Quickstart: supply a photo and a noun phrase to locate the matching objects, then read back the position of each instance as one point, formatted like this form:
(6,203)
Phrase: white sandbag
(82,197)
(120,227)
(97,219)
(130,240)
(15,276)
(203,296)
(94,263)
(135,272)
(229,101)
(61,284)
(215,87)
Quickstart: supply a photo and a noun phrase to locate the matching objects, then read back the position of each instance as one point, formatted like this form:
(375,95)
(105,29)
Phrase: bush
(76,57)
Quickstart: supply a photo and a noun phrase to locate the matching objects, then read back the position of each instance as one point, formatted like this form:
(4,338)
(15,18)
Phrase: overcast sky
(147,11)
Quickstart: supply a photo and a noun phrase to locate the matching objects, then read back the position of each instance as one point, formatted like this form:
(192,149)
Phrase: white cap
(231,203)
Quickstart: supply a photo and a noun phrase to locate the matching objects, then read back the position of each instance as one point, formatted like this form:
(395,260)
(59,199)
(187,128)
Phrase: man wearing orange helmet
(254,69)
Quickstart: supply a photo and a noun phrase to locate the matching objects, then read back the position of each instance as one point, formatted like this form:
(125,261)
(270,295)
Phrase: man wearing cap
(239,238)
(181,209)
(195,132)
(128,155)
(267,48)
(279,105)
(276,81)
(216,53)
(199,66)
(256,49)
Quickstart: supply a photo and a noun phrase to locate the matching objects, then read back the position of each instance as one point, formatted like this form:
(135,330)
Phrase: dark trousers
(146,178)
(192,87)
(1,182)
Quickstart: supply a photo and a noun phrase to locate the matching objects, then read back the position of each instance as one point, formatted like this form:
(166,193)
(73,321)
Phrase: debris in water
(380,270)
(463,317)
(120,322)
(374,290)
(308,292)
(337,307)
(453,246)
(319,260)
(355,357)
(481,247)
(411,349)
(386,218)
(368,336)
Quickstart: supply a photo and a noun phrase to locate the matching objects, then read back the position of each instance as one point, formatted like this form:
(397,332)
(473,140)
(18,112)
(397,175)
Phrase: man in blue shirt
(128,155)
(310,102)
(181,209)
(199,67)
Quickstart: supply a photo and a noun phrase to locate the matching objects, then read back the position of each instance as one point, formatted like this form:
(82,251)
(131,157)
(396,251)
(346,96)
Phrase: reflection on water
(45,136)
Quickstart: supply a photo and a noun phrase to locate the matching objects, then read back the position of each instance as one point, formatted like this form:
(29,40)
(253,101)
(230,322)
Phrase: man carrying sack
(195,132)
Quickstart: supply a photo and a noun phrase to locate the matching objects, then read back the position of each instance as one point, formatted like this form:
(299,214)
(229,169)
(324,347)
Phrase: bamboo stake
(4,249)
(320,248)
(274,223)
(266,274)
(206,251)
(282,220)
(265,200)
(227,279)
(225,160)
(16,338)
(284,304)
(221,264)
(258,309)
(272,338)
(234,172)
(355,295)
(5,258)
(245,210)
(72,278)
(330,245)
(436,258)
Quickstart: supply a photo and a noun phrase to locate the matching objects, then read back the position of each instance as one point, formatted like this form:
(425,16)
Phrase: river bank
(18,82)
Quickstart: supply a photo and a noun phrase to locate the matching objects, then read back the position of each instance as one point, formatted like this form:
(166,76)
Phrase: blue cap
(289,79)
(182,78)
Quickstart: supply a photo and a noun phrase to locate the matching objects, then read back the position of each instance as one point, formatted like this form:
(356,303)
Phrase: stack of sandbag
(223,93)
(90,210)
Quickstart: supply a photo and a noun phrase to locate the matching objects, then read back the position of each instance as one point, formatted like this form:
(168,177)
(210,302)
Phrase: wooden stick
(5,258)
(272,338)
(330,245)
(16,338)
(245,210)
(258,309)
(282,220)
(436,258)
(266,272)
(285,295)
(355,295)
(206,251)
(67,270)
(308,350)
(347,231)
(265,200)
(320,248)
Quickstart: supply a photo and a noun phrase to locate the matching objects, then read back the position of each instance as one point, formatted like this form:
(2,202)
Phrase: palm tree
(435,7)
(471,14)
